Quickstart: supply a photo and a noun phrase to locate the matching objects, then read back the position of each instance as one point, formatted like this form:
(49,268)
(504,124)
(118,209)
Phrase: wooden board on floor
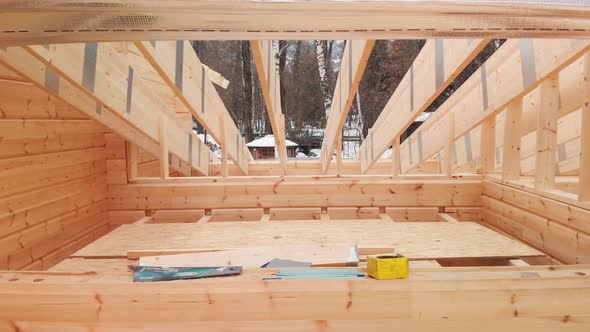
(333,255)
(415,240)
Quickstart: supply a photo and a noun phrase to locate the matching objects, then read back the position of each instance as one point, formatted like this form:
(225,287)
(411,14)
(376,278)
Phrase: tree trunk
(321,52)
(248,91)
(282,64)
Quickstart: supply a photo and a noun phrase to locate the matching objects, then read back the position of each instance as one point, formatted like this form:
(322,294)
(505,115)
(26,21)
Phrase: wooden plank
(312,167)
(278,214)
(512,139)
(566,214)
(354,61)
(518,262)
(132,163)
(413,213)
(437,65)
(35,129)
(414,240)
(216,77)
(547,117)
(143,220)
(164,160)
(354,213)
(558,240)
(396,157)
(265,178)
(250,194)
(385,217)
(203,101)
(464,213)
(204,219)
(488,145)
(270,84)
(517,68)
(449,148)
(55,22)
(32,68)
(176,216)
(254,257)
(113,84)
(584,179)
(448,218)
(125,217)
(236,215)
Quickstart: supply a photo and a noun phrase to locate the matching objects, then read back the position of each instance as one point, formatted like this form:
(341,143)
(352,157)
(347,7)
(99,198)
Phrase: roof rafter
(266,67)
(99,81)
(354,61)
(180,67)
(516,69)
(435,67)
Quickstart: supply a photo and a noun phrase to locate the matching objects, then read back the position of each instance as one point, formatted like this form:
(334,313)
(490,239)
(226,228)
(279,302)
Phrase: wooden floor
(416,240)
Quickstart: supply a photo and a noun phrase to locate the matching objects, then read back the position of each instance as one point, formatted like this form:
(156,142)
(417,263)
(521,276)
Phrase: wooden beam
(488,145)
(132,160)
(547,116)
(224,152)
(270,84)
(164,160)
(584,178)
(511,151)
(53,21)
(354,61)
(270,194)
(449,147)
(143,220)
(448,218)
(138,127)
(518,262)
(435,67)
(571,100)
(216,77)
(395,157)
(178,65)
(516,69)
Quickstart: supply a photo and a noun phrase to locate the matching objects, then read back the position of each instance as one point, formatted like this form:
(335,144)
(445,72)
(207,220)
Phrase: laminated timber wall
(549,224)
(53,177)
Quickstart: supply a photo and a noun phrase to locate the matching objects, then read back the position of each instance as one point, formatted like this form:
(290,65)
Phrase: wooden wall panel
(318,193)
(559,229)
(53,178)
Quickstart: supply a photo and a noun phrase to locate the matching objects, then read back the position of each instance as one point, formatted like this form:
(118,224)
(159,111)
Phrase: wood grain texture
(506,79)
(53,21)
(415,240)
(337,193)
(53,179)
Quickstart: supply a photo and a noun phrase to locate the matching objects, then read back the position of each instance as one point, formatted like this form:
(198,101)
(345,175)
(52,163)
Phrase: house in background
(264,148)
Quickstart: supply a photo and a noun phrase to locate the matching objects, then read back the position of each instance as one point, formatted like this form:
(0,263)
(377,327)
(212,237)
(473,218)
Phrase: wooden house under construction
(99,166)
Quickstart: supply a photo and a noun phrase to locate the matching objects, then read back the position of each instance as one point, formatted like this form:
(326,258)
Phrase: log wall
(53,181)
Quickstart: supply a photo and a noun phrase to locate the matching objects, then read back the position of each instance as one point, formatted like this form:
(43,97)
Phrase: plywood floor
(422,240)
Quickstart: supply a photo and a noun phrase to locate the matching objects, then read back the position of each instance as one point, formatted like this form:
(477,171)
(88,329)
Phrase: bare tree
(323,57)
(247,91)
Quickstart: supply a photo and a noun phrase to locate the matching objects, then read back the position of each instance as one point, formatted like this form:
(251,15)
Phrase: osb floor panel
(415,240)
